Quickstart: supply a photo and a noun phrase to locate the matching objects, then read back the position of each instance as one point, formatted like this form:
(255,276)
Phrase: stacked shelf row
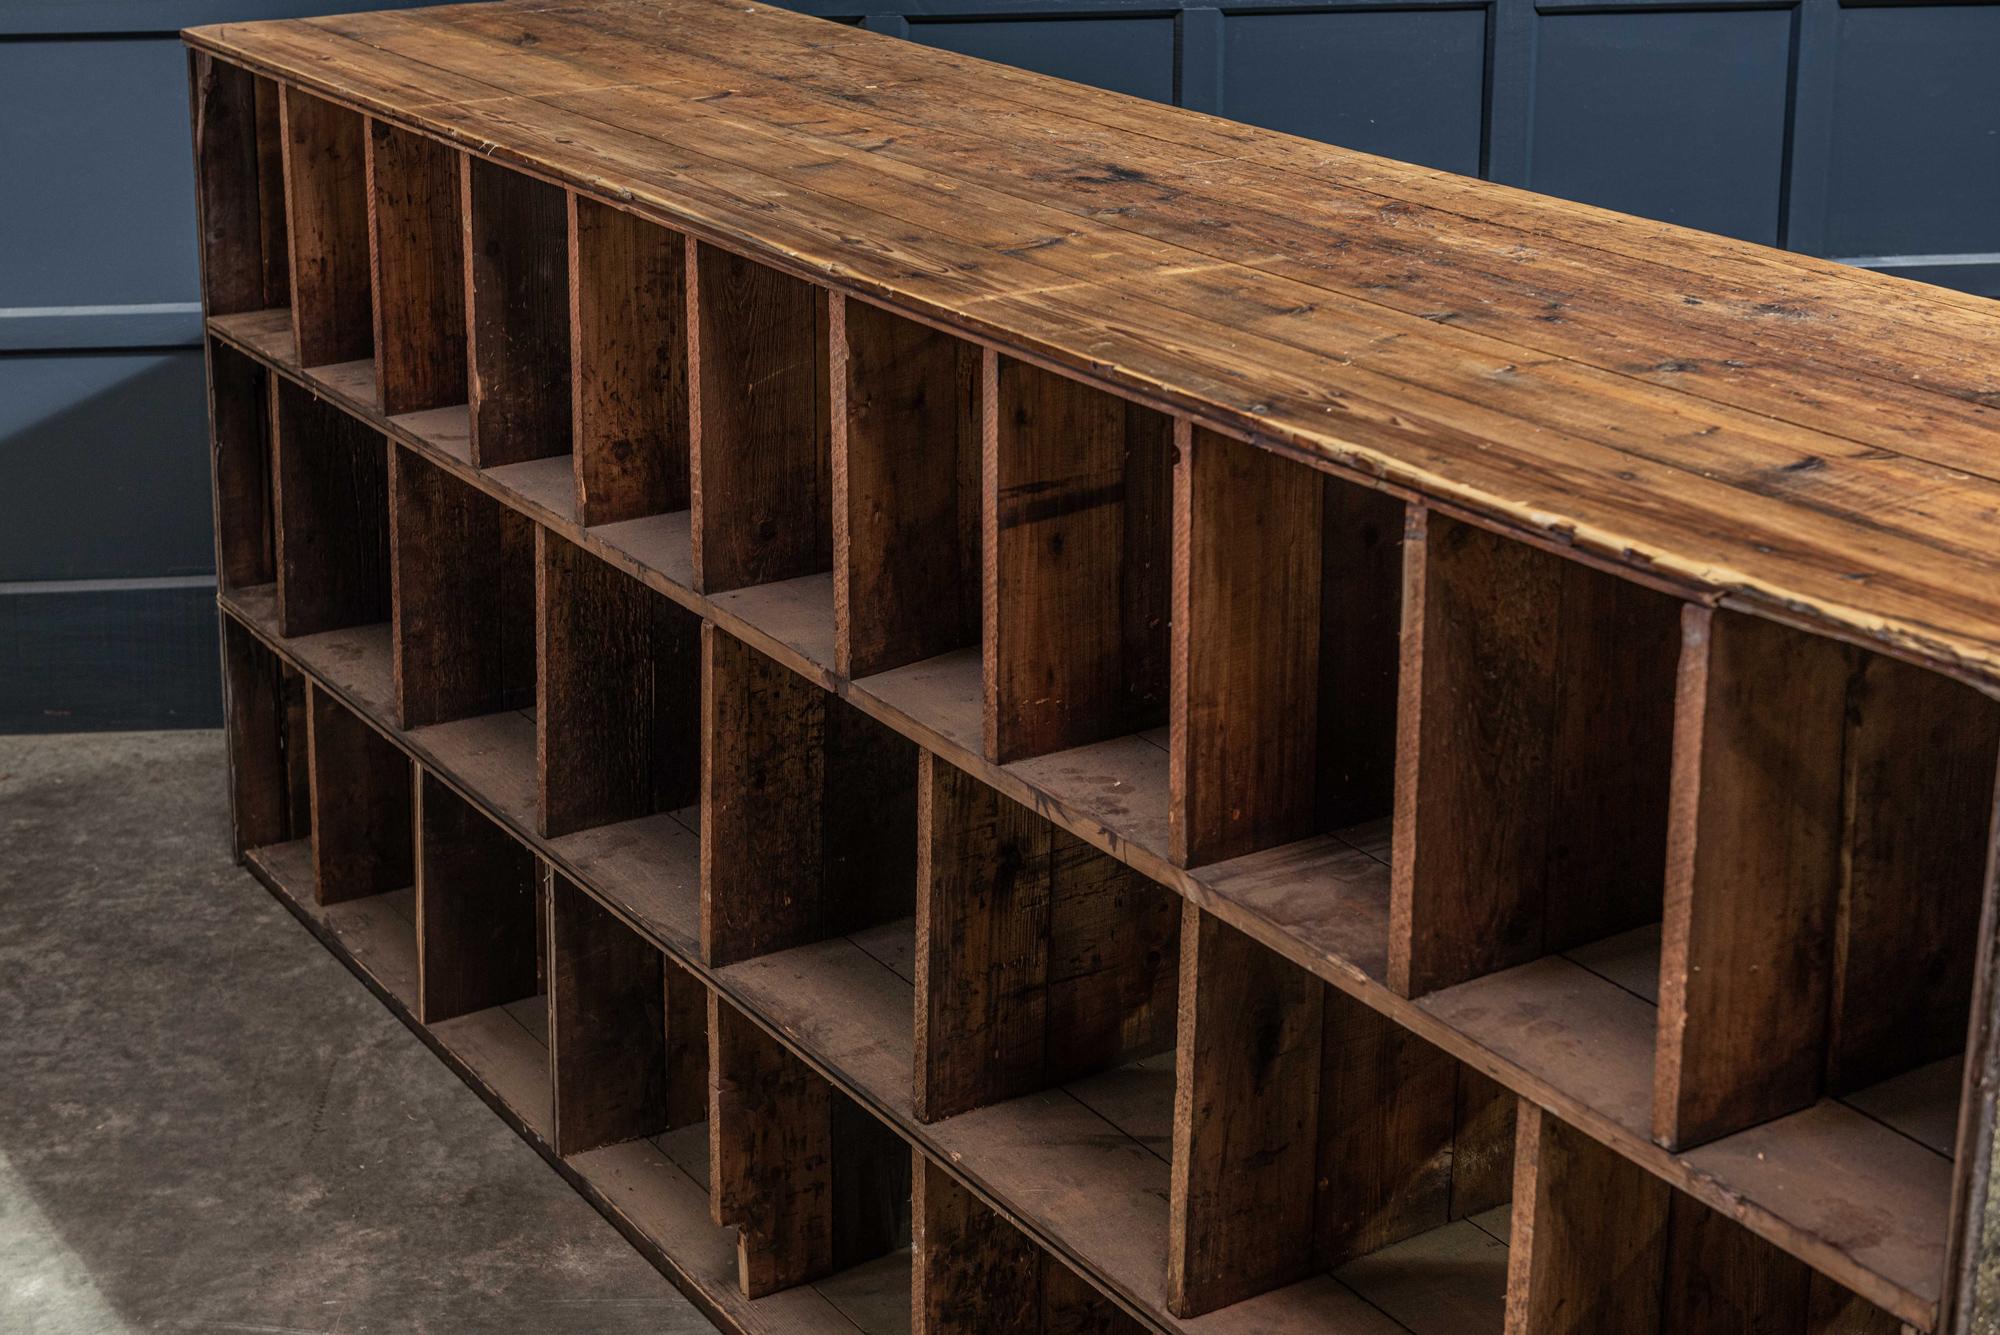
(917,836)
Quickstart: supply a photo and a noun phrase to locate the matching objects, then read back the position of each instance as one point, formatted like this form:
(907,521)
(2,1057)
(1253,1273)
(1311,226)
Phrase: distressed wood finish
(1513,684)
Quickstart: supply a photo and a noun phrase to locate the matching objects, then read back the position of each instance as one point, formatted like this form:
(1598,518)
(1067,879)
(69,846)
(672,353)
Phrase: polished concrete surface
(207,1124)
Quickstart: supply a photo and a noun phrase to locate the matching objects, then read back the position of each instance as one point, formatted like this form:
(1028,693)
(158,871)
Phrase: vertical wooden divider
(1534,740)
(906,458)
(685,1000)
(1588,1237)
(1246,641)
(1077,549)
(1039,959)
(463,637)
(330,501)
(759,421)
(326,212)
(628,364)
(812,1184)
(362,805)
(416,248)
(1753,872)
(973,1273)
(516,313)
(239,172)
(617,683)
(607,1025)
(239,413)
(808,809)
(263,713)
(476,909)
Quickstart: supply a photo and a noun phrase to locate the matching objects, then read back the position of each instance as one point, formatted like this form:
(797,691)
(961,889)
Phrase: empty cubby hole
(245,261)
(618,671)
(808,815)
(973,1273)
(630,354)
(464,607)
(1604,1245)
(1288,586)
(1076,543)
(417,244)
(1040,962)
(817,1189)
(364,843)
(517,318)
(239,405)
(326,214)
(906,459)
(628,1041)
(1535,746)
(1826,869)
(1314,1135)
(264,716)
(330,498)
(760,404)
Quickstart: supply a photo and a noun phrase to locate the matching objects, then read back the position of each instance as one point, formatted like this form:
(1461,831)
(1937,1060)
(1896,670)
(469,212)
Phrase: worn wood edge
(1632,1142)
(1967,661)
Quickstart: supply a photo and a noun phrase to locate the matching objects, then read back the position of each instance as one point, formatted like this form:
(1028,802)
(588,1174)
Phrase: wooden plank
(1077,559)
(1360,634)
(607,1025)
(361,807)
(905,440)
(236,143)
(684,999)
(330,502)
(516,313)
(628,364)
(464,588)
(416,248)
(759,420)
(1247,562)
(1039,959)
(1720,1276)
(476,909)
(1919,759)
(972,1271)
(1534,755)
(326,213)
(808,810)
(1246,1103)
(253,715)
(240,451)
(617,682)
(770,1166)
(1588,1238)
(1753,869)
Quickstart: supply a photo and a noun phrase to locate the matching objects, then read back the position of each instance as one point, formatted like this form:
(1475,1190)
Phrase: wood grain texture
(240,456)
(758,407)
(1588,1238)
(1535,753)
(477,909)
(685,999)
(1077,560)
(1244,713)
(1038,958)
(905,438)
(808,809)
(607,1025)
(628,364)
(1360,638)
(463,630)
(1246,1105)
(362,806)
(516,313)
(261,762)
(330,501)
(416,248)
(1753,870)
(618,726)
(240,187)
(326,213)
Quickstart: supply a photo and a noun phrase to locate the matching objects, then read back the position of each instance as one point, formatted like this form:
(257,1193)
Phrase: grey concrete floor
(206,1124)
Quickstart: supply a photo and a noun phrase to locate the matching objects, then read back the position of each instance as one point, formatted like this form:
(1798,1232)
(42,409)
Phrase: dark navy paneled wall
(1863,132)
